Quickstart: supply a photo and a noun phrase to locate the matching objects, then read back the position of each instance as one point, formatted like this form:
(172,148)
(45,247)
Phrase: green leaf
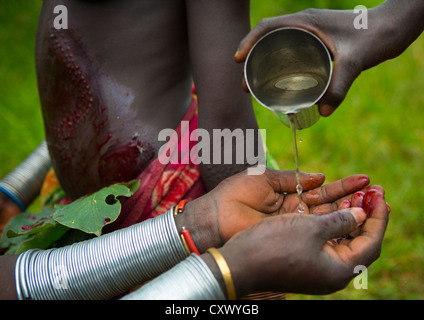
(41,240)
(91,213)
(48,227)
(30,223)
(31,230)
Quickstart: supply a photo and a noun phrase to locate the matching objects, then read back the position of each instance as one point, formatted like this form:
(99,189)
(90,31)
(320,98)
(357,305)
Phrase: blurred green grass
(378,131)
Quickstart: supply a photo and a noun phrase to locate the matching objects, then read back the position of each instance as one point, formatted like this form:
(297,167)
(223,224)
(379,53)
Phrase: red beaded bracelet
(185,234)
(189,241)
(180,207)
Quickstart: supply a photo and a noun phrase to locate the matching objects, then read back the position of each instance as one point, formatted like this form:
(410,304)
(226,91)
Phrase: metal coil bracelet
(104,267)
(189,280)
(23,184)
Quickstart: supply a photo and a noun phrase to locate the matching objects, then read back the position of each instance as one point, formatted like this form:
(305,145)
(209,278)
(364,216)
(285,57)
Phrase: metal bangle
(189,280)
(104,267)
(23,184)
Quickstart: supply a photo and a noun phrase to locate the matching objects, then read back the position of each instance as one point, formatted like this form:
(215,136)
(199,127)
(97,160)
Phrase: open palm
(244,200)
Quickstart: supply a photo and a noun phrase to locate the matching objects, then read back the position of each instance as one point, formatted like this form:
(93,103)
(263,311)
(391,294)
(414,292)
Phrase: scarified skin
(85,103)
(87,119)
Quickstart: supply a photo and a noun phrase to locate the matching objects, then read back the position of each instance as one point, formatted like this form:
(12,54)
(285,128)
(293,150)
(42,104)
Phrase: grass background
(378,131)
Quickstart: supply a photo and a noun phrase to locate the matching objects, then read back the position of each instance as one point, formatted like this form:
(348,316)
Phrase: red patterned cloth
(165,184)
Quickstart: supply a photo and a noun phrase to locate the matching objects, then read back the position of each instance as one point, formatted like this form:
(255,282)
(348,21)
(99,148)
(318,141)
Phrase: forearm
(105,267)
(101,268)
(192,279)
(23,184)
(196,278)
(403,22)
(7,278)
(408,14)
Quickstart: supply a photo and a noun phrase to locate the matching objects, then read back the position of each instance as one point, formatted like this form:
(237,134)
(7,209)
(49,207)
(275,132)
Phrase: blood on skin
(88,149)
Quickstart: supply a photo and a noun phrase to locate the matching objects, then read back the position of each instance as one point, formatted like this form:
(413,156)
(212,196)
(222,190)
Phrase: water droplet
(300,140)
(299,189)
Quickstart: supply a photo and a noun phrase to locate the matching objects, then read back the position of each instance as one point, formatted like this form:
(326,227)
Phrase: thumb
(262,28)
(340,223)
(345,72)
(266,25)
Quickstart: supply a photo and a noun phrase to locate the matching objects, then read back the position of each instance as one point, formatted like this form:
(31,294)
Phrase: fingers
(263,27)
(358,199)
(347,66)
(335,190)
(244,86)
(354,200)
(286,181)
(366,248)
(301,20)
(340,223)
(345,204)
(344,74)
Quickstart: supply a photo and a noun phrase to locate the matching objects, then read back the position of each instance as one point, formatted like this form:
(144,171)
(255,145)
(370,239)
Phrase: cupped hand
(290,253)
(243,200)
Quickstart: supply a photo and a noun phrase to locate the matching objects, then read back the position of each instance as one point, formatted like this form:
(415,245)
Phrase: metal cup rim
(278,30)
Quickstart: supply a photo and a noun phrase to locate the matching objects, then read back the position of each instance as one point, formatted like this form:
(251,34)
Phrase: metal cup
(288,71)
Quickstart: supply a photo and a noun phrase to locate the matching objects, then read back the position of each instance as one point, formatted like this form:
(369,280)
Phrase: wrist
(243,271)
(213,267)
(200,219)
(243,278)
(23,184)
(7,201)
(191,279)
